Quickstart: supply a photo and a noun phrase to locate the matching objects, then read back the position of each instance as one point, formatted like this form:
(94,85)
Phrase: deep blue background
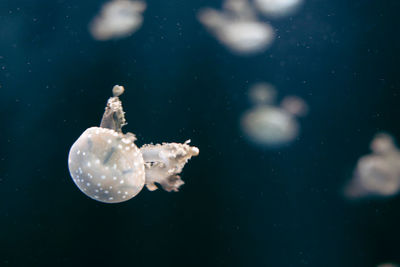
(241,205)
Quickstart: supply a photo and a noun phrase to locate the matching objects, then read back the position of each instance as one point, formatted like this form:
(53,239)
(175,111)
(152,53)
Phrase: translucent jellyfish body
(270,125)
(237,27)
(377,174)
(107,166)
(117,19)
(277,8)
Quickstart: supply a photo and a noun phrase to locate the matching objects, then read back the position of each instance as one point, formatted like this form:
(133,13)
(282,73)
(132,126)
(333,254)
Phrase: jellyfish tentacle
(114,115)
(163,163)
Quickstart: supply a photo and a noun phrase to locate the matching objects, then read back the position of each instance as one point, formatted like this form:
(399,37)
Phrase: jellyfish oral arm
(164,162)
(114,116)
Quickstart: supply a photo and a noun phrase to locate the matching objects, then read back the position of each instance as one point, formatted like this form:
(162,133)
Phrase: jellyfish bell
(107,166)
(117,19)
(377,174)
(269,126)
(246,36)
(238,28)
(277,8)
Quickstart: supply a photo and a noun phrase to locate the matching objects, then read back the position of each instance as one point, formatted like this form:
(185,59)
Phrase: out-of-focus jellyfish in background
(117,19)
(377,174)
(107,166)
(270,125)
(277,8)
(237,27)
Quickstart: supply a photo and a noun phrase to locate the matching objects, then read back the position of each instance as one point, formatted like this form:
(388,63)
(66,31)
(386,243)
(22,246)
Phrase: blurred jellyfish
(262,93)
(237,27)
(107,166)
(277,8)
(117,19)
(295,105)
(377,174)
(267,124)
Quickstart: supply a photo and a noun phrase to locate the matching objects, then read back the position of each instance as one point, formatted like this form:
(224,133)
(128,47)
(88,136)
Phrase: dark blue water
(242,205)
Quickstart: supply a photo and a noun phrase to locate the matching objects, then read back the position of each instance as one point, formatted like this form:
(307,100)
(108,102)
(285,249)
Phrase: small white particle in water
(97,161)
(123,196)
(126,192)
(115,134)
(110,198)
(119,146)
(110,187)
(89,164)
(122,181)
(88,184)
(127,148)
(99,184)
(96,191)
(114,178)
(106,191)
(96,196)
(115,166)
(119,192)
(103,177)
(109,141)
(89,135)
(83,153)
(78,152)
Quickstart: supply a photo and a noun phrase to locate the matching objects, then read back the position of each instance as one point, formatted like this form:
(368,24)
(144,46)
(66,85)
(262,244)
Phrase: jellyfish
(270,125)
(117,19)
(237,27)
(377,174)
(107,165)
(277,8)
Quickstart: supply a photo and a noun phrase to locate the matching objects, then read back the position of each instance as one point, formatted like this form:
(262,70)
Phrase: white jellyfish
(271,125)
(237,27)
(107,166)
(277,8)
(117,19)
(377,174)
